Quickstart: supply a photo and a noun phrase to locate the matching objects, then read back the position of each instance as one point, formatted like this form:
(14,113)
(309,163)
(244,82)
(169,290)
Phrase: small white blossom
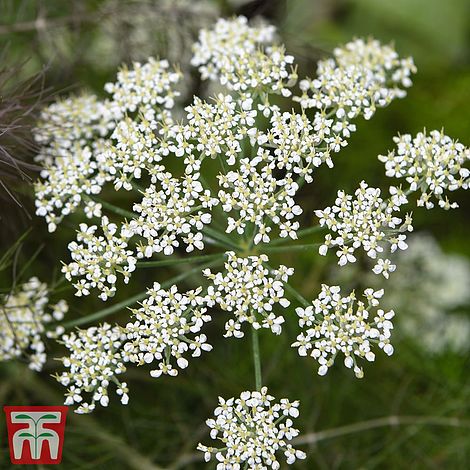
(162,327)
(366,221)
(24,314)
(249,290)
(95,360)
(432,164)
(98,259)
(334,324)
(252,429)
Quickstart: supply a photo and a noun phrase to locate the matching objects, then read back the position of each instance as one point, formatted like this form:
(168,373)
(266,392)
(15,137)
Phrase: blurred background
(410,410)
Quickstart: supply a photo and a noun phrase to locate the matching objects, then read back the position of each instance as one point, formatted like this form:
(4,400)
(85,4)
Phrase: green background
(165,418)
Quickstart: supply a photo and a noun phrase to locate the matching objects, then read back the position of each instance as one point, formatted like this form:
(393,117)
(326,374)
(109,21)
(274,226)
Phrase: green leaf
(24,417)
(48,417)
(26,434)
(46,434)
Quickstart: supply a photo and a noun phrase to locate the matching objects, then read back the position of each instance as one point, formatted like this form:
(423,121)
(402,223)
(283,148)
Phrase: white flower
(238,55)
(252,429)
(365,221)
(179,210)
(95,360)
(335,324)
(24,314)
(97,259)
(259,198)
(247,289)
(162,329)
(384,267)
(432,164)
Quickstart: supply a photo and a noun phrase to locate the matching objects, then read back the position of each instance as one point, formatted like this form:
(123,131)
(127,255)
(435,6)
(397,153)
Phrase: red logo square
(36,433)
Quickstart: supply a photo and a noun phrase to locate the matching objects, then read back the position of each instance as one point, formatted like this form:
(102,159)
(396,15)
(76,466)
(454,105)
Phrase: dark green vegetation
(83,42)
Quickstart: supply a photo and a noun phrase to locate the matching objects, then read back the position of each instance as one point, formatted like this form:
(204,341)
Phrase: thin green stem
(296,294)
(300,234)
(111,207)
(220,237)
(309,246)
(256,358)
(125,303)
(172,262)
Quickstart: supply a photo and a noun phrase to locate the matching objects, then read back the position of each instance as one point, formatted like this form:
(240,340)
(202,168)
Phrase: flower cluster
(430,292)
(71,133)
(24,314)
(97,259)
(144,87)
(249,289)
(252,429)
(95,359)
(365,221)
(240,57)
(334,324)
(361,76)
(133,141)
(260,199)
(432,164)
(162,327)
(178,209)
(86,142)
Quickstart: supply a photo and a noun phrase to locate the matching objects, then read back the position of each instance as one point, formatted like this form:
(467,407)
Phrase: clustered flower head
(162,329)
(249,289)
(334,324)
(71,132)
(264,155)
(86,142)
(98,259)
(95,360)
(242,57)
(259,198)
(366,221)
(432,164)
(180,209)
(24,315)
(252,429)
(360,77)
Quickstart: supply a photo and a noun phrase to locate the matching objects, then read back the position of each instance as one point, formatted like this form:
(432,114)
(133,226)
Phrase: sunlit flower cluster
(259,198)
(360,77)
(249,289)
(432,164)
(226,171)
(71,133)
(86,142)
(24,315)
(252,429)
(95,360)
(162,328)
(144,86)
(180,209)
(334,324)
(98,259)
(243,59)
(364,220)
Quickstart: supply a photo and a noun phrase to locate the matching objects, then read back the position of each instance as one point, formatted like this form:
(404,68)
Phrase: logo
(36,433)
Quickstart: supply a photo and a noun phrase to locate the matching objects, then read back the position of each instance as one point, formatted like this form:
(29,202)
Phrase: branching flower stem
(129,301)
